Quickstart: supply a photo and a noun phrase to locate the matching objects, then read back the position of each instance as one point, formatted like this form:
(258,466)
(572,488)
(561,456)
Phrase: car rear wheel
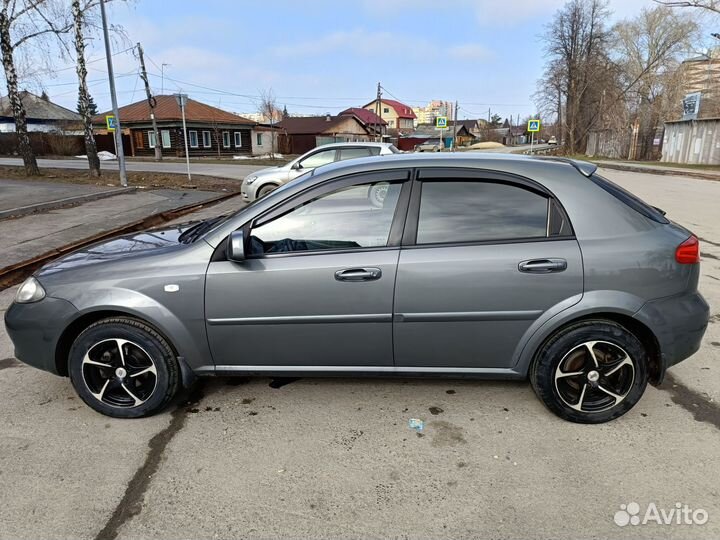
(123,368)
(590,372)
(266,189)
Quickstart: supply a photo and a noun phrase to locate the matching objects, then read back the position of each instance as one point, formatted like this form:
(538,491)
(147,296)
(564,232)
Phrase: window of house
(258,139)
(226,139)
(207,141)
(193,139)
(165,136)
(343,219)
(238,139)
(386,110)
(138,139)
(151,139)
(391,123)
(467,211)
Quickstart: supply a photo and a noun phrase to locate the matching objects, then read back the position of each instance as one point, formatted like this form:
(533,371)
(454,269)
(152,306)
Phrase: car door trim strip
(303,319)
(451,316)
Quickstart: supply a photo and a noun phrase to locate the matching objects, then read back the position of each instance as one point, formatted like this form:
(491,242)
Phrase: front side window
(258,139)
(207,142)
(151,139)
(193,139)
(318,158)
(351,153)
(350,218)
(466,211)
(238,139)
(165,136)
(226,139)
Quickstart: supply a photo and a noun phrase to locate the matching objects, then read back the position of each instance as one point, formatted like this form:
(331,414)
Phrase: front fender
(565,312)
(186,333)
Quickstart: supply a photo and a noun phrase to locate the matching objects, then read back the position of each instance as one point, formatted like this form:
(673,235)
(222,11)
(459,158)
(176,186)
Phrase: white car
(262,182)
(552,140)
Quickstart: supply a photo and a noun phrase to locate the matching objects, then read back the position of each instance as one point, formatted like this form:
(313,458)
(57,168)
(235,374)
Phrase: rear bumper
(36,328)
(679,323)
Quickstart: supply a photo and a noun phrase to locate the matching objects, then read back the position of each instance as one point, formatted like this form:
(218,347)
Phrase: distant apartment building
(428,114)
(701,78)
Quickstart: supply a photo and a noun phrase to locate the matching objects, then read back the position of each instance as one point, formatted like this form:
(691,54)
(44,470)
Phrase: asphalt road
(230,170)
(332,458)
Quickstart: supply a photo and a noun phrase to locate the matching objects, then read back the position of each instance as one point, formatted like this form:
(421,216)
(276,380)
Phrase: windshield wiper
(197,230)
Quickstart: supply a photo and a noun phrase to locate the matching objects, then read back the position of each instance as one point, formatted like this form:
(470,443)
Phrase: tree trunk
(83,93)
(18,110)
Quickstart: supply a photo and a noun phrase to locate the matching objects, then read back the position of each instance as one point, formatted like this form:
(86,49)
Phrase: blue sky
(322,56)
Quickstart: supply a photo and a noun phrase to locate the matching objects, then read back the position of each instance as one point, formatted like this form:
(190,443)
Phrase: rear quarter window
(627,198)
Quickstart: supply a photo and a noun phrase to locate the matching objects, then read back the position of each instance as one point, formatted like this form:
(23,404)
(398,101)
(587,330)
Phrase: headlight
(250,179)
(30,291)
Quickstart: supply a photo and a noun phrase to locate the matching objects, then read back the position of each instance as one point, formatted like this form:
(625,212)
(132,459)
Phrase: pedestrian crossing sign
(441,122)
(533,126)
(110,122)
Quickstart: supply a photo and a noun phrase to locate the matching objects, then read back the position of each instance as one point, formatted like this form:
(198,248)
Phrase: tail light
(689,251)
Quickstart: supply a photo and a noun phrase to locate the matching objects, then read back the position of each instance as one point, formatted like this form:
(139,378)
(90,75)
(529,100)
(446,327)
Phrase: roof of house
(366,116)
(467,124)
(36,108)
(402,110)
(299,125)
(167,109)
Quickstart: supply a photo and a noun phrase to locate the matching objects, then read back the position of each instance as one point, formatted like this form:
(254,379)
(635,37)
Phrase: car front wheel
(123,368)
(590,372)
(265,190)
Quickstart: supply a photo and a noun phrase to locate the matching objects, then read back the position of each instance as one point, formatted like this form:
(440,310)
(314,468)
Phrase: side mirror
(236,246)
(297,166)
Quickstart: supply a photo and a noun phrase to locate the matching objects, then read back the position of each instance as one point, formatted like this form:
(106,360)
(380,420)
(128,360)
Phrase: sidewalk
(28,237)
(706,174)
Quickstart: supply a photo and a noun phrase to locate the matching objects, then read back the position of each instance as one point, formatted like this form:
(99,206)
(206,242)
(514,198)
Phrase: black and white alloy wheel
(124,368)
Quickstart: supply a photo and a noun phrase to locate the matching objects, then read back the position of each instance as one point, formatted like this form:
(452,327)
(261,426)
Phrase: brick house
(211,132)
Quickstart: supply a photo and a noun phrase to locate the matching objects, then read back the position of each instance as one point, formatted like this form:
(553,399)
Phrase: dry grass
(146,180)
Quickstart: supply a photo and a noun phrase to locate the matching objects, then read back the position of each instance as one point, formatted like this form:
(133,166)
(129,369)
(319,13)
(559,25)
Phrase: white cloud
(470,51)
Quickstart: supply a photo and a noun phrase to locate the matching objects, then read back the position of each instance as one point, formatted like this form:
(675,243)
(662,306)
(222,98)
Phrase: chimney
(328,118)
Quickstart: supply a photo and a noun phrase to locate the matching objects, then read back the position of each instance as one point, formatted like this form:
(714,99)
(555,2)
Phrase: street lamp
(181,101)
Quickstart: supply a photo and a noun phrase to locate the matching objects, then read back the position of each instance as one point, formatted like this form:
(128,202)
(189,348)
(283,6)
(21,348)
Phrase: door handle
(358,274)
(543,266)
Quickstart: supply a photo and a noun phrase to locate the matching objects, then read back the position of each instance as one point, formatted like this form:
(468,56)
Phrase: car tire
(590,372)
(377,193)
(265,190)
(123,368)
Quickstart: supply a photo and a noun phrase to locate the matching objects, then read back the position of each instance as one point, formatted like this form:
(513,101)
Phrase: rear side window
(471,211)
(633,201)
(351,153)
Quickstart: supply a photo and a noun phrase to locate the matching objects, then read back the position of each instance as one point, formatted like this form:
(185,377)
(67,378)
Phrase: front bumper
(679,323)
(36,328)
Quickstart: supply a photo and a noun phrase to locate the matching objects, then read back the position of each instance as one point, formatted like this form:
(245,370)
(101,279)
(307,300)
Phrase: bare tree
(577,42)
(84,100)
(709,5)
(22,22)
(268,109)
(647,49)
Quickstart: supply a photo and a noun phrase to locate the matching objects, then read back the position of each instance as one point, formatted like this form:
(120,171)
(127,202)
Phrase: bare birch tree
(21,23)
(268,109)
(84,99)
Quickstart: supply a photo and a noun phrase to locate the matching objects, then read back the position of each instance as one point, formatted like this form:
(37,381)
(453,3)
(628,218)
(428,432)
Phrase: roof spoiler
(585,168)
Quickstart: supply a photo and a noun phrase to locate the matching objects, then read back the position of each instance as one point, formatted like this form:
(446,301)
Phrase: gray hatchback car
(468,265)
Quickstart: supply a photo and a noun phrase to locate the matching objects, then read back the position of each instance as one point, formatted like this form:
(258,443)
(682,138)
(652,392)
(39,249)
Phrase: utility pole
(378,110)
(113,97)
(151,103)
(162,78)
(454,143)
(181,99)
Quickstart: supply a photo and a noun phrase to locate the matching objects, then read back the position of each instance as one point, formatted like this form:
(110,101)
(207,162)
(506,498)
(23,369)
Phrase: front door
(317,287)
(485,257)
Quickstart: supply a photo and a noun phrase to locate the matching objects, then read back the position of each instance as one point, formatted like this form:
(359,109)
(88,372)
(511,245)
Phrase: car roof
(357,143)
(496,160)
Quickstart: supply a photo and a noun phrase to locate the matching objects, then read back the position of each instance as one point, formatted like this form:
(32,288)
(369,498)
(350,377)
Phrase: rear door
(484,255)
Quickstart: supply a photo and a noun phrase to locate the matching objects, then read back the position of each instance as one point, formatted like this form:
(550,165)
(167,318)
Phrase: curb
(60,203)
(664,172)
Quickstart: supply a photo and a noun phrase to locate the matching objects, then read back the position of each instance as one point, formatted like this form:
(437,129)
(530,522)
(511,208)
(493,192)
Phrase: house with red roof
(210,131)
(375,125)
(397,115)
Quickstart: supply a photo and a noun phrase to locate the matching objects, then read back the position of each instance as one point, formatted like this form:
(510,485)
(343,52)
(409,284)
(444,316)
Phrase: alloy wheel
(119,373)
(594,376)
